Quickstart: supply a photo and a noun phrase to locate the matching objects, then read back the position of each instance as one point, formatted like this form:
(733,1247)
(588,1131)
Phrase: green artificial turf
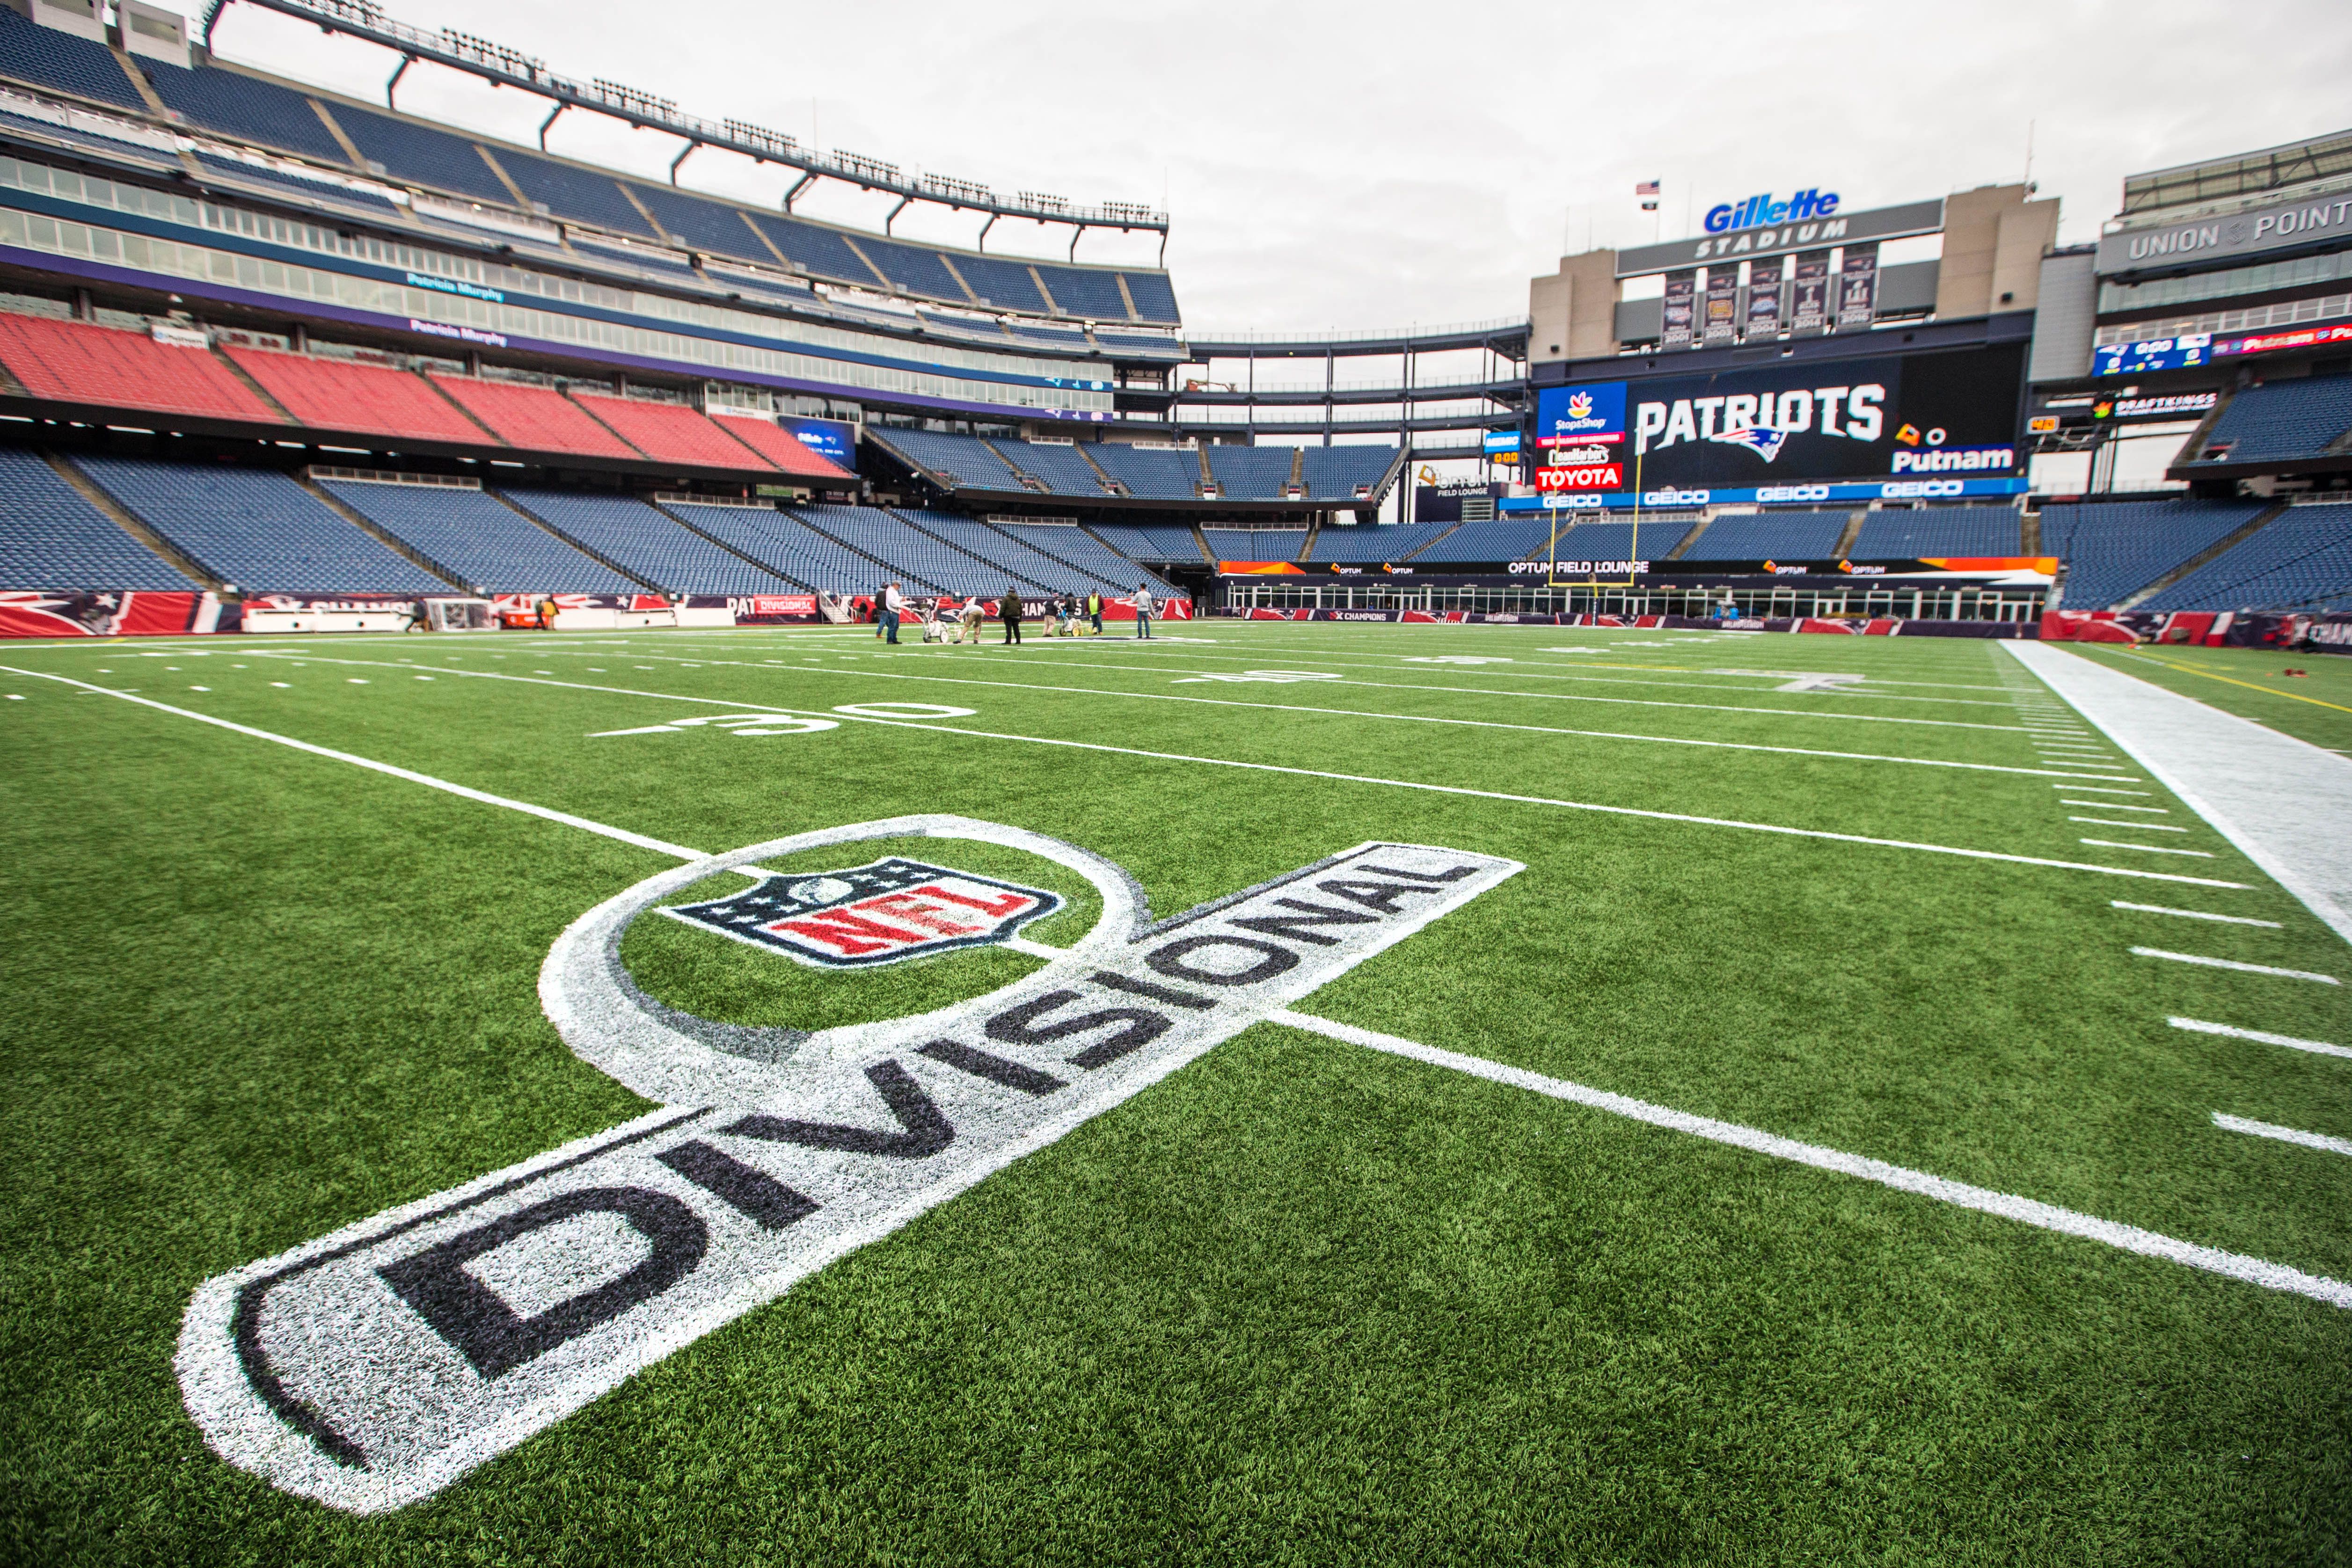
(1299,1302)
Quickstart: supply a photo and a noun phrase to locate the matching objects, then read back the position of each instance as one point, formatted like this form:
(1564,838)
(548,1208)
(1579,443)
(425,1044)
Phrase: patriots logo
(1579,405)
(1763,442)
(880,913)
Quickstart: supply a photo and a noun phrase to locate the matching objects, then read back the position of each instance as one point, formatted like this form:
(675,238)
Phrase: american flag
(1646,188)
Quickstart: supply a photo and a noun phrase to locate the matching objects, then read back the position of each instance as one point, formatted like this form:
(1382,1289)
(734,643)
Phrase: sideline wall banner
(37,613)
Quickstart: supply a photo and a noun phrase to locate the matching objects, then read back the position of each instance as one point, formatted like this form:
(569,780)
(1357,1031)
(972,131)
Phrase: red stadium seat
(534,419)
(338,394)
(781,447)
(672,432)
(78,363)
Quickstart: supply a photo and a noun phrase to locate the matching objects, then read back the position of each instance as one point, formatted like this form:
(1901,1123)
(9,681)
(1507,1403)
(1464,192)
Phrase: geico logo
(1919,489)
(1852,412)
(1793,493)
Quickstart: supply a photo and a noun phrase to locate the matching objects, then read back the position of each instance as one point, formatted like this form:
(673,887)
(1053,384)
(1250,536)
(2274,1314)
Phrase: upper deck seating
(1152,473)
(535,419)
(344,394)
(1251,473)
(672,432)
(1342,473)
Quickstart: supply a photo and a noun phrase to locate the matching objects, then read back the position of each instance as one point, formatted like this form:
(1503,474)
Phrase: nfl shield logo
(874,913)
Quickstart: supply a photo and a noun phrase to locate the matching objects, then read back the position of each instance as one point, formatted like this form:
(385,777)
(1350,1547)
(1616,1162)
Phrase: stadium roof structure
(505,66)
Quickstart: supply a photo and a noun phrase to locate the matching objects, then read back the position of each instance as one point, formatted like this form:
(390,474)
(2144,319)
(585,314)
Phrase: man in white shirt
(893,605)
(1143,609)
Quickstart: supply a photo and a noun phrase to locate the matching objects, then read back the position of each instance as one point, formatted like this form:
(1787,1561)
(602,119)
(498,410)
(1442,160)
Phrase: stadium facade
(262,338)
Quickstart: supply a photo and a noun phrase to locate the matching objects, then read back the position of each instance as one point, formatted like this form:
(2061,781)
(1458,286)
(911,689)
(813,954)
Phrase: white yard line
(2144,849)
(2194,914)
(2117,806)
(2024,1210)
(1459,789)
(874,675)
(2282,801)
(2120,822)
(2283,1135)
(2261,1037)
(2095,790)
(2232,964)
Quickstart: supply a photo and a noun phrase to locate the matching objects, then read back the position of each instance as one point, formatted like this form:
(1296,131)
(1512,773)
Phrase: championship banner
(1809,298)
(1677,320)
(1858,289)
(1722,305)
(1763,300)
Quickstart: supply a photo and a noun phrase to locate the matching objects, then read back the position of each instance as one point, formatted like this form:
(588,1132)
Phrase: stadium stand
(477,538)
(1254,544)
(1155,299)
(647,544)
(785,545)
(703,224)
(908,552)
(1129,344)
(534,419)
(1083,550)
(1374,542)
(1500,539)
(246,107)
(1070,339)
(823,251)
(2301,560)
(918,270)
(661,263)
(1151,542)
(1063,469)
(258,530)
(1251,473)
(1150,474)
(1951,531)
(782,448)
(83,364)
(1093,295)
(288,179)
(1005,553)
(420,154)
(52,537)
(1616,540)
(1766,536)
(961,460)
(1004,284)
(47,58)
(672,432)
(2282,421)
(1339,473)
(2114,549)
(586,194)
(344,394)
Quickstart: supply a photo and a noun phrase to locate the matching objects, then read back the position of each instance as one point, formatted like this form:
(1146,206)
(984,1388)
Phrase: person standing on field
(1008,609)
(893,605)
(1143,609)
(1094,610)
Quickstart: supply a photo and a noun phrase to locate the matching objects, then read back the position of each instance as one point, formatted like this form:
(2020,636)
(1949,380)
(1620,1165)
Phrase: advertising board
(833,439)
(1587,416)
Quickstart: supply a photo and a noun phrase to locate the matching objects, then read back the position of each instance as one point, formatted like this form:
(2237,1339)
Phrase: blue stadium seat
(788,547)
(1155,301)
(1151,542)
(1083,292)
(258,530)
(1254,544)
(1004,284)
(2301,560)
(1153,475)
(478,538)
(1372,543)
(584,194)
(1132,345)
(1618,539)
(296,184)
(823,251)
(705,224)
(47,58)
(1336,473)
(2282,421)
(966,459)
(422,155)
(1772,536)
(1088,554)
(1252,472)
(2114,549)
(1937,533)
(1007,554)
(1501,538)
(910,554)
(51,537)
(648,544)
(1066,473)
(916,269)
(1070,339)
(247,109)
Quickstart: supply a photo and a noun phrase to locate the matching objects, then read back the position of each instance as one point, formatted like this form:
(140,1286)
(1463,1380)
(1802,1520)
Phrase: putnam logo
(880,913)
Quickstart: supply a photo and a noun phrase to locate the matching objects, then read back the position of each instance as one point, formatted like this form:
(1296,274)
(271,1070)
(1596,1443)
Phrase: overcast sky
(1374,165)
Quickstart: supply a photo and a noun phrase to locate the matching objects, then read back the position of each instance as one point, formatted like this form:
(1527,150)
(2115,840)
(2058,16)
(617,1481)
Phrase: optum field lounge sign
(372,1367)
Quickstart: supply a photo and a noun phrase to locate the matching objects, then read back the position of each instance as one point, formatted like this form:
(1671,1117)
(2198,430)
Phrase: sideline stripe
(1381,783)
(2233,964)
(2250,685)
(2283,1135)
(2194,914)
(2025,1211)
(1404,717)
(2317,1047)
(566,818)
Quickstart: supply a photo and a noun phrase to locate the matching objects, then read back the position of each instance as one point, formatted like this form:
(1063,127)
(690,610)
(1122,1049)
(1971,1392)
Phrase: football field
(1274,1093)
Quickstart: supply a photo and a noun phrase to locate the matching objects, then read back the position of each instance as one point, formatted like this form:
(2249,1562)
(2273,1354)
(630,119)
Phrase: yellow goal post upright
(1593,580)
